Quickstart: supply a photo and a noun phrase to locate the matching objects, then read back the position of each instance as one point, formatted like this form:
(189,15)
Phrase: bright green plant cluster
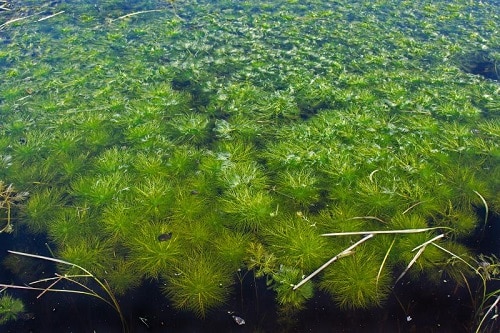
(10,308)
(227,142)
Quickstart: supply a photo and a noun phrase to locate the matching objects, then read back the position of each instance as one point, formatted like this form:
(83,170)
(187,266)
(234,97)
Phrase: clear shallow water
(363,82)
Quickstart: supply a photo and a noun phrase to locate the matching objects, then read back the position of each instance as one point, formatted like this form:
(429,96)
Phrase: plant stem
(344,253)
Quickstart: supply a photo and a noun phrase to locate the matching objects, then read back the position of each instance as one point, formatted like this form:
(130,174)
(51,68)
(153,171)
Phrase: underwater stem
(344,253)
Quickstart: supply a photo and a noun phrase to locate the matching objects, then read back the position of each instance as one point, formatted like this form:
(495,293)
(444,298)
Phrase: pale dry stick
(344,253)
(113,302)
(50,16)
(71,291)
(487,313)
(457,257)
(415,258)
(411,207)
(383,262)
(377,232)
(421,249)
(367,218)
(50,286)
(15,20)
(71,278)
(424,244)
(136,13)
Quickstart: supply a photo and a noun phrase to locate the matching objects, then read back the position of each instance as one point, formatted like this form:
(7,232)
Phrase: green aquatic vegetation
(148,165)
(282,283)
(41,208)
(190,203)
(122,277)
(102,189)
(246,144)
(71,167)
(355,281)
(154,196)
(249,209)
(239,128)
(112,160)
(342,217)
(237,151)
(454,267)
(31,148)
(465,183)
(245,174)
(260,260)
(231,247)
(86,252)
(189,128)
(70,223)
(198,234)
(301,186)
(198,284)
(417,262)
(377,199)
(462,221)
(296,242)
(10,308)
(150,254)
(183,161)
(120,220)
(98,130)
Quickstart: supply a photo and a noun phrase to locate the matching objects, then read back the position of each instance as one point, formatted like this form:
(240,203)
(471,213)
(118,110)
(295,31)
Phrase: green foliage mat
(185,141)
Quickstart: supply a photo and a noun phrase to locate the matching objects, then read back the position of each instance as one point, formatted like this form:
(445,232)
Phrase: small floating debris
(164,237)
(237,319)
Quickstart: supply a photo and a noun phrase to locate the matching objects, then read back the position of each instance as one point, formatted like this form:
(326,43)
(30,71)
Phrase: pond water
(249,166)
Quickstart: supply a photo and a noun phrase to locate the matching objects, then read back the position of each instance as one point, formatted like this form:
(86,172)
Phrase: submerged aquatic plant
(248,144)
(250,208)
(9,198)
(355,281)
(198,284)
(10,308)
(282,282)
(150,255)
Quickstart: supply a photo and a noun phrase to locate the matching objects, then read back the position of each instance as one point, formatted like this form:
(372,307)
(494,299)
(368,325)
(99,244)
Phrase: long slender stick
(104,285)
(485,206)
(424,244)
(136,13)
(47,17)
(344,253)
(487,313)
(421,249)
(376,232)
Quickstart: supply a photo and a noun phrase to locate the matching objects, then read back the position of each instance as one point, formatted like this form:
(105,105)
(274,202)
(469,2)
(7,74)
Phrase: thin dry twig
(421,249)
(376,232)
(50,16)
(136,13)
(344,253)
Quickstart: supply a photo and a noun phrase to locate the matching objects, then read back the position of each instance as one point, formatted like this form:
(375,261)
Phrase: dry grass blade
(383,262)
(421,249)
(136,13)
(344,253)
(377,232)
(493,306)
(485,206)
(109,298)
